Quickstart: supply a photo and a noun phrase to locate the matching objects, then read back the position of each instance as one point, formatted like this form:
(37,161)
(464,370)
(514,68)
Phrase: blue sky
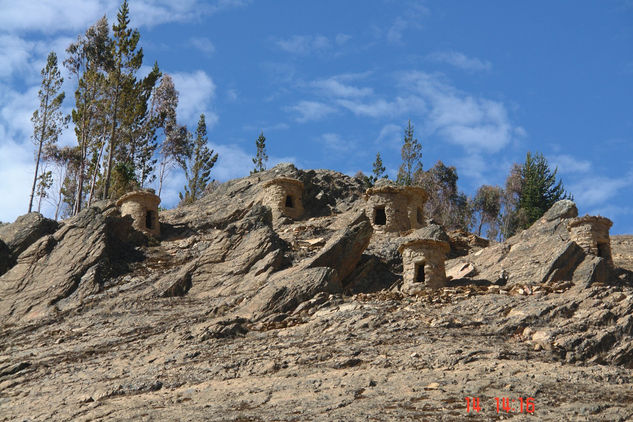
(333,82)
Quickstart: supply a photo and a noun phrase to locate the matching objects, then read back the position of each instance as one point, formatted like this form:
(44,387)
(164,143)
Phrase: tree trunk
(106,188)
(39,152)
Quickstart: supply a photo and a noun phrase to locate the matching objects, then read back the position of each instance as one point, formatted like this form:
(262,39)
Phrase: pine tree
(378,170)
(411,158)
(539,189)
(197,162)
(48,120)
(261,158)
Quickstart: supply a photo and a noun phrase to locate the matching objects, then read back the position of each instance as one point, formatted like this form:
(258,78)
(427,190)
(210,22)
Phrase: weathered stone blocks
(142,206)
(284,196)
(395,208)
(592,234)
(423,262)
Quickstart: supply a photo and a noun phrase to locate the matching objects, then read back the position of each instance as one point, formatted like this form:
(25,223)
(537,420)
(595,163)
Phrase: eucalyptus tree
(48,120)
(411,157)
(88,60)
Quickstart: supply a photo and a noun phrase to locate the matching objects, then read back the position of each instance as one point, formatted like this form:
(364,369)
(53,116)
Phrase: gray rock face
(343,250)
(59,270)
(26,229)
(540,254)
(232,317)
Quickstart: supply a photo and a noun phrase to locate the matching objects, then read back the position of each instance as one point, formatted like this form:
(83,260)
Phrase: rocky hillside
(234,314)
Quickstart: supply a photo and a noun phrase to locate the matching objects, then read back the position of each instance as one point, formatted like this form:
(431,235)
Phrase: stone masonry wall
(275,198)
(434,269)
(396,210)
(593,237)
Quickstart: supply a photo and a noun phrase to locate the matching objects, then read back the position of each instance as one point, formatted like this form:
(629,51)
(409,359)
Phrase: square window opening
(289,202)
(380,217)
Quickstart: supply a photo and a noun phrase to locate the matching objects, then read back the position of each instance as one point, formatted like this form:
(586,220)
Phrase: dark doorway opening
(149,220)
(419,272)
(419,215)
(289,202)
(380,217)
(603,250)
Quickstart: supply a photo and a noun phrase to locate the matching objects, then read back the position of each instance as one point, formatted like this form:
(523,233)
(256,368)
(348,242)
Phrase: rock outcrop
(233,314)
(21,234)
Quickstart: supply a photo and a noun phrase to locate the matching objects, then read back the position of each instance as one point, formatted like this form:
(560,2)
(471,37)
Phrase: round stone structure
(592,234)
(423,255)
(142,206)
(395,208)
(284,196)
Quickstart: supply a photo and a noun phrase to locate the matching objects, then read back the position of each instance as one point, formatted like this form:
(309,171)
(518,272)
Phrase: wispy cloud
(460,60)
(311,110)
(16,174)
(475,123)
(335,142)
(597,190)
(567,164)
(335,87)
(310,44)
(203,44)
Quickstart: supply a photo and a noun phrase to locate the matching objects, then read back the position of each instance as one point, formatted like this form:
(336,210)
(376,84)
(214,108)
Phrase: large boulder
(343,251)
(26,229)
(540,254)
(59,270)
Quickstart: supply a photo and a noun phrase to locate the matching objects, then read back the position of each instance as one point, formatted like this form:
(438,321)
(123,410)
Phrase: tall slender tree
(411,157)
(121,80)
(48,120)
(164,105)
(197,162)
(87,60)
(260,157)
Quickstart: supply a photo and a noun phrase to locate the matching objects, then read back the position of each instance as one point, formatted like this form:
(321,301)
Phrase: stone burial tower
(423,254)
(393,208)
(284,196)
(592,234)
(142,206)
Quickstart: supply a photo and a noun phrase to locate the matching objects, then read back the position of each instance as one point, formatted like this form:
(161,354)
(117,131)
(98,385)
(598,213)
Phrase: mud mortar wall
(396,206)
(593,238)
(275,196)
(434,269)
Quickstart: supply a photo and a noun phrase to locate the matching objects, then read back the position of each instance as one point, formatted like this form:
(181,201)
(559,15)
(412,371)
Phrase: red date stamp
(504,404)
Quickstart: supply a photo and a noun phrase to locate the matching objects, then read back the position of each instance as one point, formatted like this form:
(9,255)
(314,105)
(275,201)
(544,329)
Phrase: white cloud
(597,190)
(568,164)
(384,108)
(197,92)
(460,60)
(477,124)
(391,136)
(335,142)
(49,16)
(203,44)
(311,110)
(310,44)
(16,173)
(335,88)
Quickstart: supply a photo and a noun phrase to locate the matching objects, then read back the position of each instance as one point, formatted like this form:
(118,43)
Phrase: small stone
(432,386)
